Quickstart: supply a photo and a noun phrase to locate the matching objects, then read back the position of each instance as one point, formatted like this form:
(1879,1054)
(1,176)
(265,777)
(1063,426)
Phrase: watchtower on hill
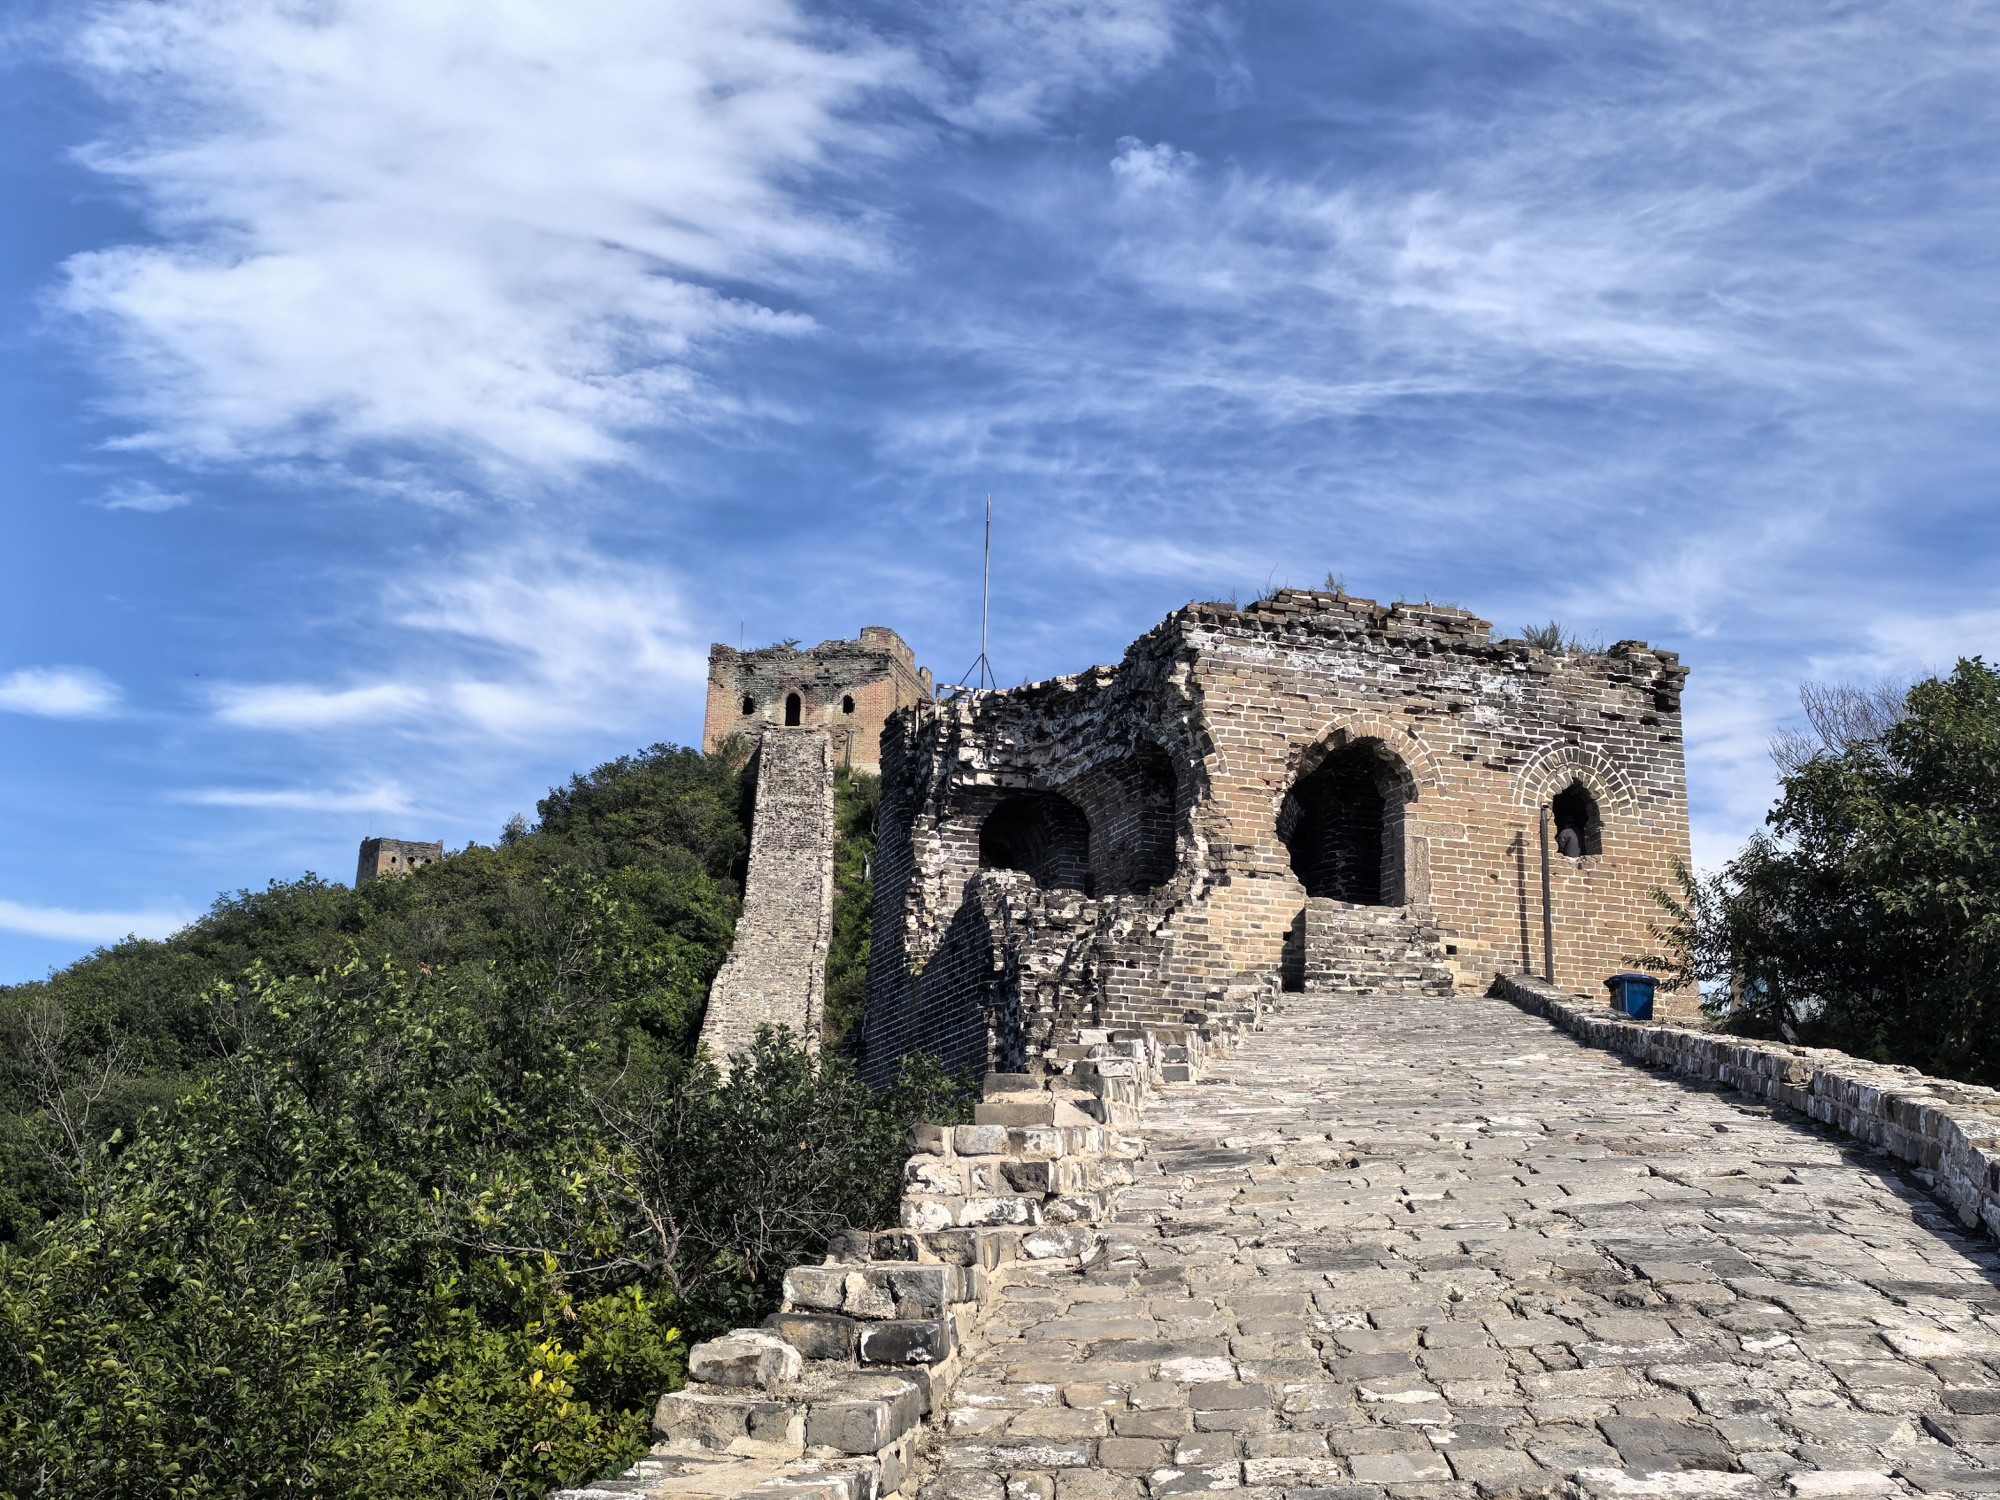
(382,858)
(846,689)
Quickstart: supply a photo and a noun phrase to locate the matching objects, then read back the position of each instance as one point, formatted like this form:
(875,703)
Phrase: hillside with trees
(419,1189)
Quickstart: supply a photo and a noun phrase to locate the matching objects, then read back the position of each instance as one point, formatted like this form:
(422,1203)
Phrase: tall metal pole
(986,599)
(1548,912)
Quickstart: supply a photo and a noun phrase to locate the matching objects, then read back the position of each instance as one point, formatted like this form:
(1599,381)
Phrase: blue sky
(397,396)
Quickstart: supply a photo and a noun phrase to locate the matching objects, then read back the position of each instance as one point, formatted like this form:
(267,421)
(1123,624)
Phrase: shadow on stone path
(1422,1246)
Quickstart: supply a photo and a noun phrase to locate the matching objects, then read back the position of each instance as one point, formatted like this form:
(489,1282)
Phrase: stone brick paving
(1433,1247)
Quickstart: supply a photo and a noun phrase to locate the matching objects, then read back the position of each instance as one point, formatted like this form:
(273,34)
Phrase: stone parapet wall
(1950,1132)
(775,974)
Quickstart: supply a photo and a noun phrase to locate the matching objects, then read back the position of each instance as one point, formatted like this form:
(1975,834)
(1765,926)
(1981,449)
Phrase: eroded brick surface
(1432,1246)
(775,974)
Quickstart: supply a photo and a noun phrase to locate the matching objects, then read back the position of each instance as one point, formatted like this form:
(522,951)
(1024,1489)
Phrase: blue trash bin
(1632,995)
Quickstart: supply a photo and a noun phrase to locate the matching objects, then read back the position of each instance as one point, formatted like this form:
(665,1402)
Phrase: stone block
(906,1342)
(746,1359)
(730,1424)
(815,1288)
(863,1415)
(982,1140)
(823,1336)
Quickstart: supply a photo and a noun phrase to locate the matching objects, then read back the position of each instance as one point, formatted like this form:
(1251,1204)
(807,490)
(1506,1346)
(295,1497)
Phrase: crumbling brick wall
(846,689)
(775,974)
(1192,763)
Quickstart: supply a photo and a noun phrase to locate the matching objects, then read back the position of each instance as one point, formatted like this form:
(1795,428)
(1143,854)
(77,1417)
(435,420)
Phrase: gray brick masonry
(775,974)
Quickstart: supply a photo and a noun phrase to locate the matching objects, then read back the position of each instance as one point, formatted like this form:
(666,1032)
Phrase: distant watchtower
(381,858)
(847,689)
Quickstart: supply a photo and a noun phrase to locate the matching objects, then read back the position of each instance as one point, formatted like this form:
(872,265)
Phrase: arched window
(749,705)
(847,703)
(1579,828)
(1337,823)
(1041,834)
(791,710)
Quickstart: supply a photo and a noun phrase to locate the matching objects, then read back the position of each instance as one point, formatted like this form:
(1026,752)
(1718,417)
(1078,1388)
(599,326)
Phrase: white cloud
(385,798)
(531,641)
(142,495)
(58,693)
(511,234)
(578,640)
(300,706)
(89,926)
(1143,168)
(457,228)
(1009,67)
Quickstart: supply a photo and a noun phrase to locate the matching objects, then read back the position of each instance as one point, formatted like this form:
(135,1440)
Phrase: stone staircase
(826,1400)
(1373,950)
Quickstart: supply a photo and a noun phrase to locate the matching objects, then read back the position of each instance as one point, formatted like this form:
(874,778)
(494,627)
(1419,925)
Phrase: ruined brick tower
(803,713)
(381,858)
(1313,791)
(846,689)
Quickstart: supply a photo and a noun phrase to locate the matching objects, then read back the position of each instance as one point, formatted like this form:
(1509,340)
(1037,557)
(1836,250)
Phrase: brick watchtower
(847,689)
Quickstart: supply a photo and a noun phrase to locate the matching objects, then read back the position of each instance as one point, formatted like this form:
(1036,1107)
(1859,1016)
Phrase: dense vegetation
(418,1190)
(1868,917)
(857,797)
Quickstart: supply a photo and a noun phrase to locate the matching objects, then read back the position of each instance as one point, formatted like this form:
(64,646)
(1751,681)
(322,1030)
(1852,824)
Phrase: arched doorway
(792,707)
(1342,823)
(1043,835)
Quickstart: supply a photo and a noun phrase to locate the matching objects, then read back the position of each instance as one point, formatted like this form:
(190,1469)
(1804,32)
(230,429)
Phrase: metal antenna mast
(983,667)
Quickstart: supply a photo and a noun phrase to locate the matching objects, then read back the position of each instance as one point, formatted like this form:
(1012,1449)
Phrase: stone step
(1041,1108)
(925,1212)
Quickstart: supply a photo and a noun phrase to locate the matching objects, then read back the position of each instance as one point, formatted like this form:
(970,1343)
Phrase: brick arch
(1405,874)
(1551,769)
(1420,770)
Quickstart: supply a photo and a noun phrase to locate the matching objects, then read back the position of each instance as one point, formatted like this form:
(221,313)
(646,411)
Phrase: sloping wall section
(775,974)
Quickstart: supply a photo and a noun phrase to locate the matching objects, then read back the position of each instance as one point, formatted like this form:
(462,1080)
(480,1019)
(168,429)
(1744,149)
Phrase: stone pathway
(1433,1247)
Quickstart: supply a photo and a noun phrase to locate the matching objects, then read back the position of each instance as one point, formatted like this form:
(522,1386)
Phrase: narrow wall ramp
(775,974)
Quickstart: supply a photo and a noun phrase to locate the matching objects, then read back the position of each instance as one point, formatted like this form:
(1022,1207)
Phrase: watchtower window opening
(792,707)
(1579,827)
(847,703)
(1336,822)
(749,705)
(1041,834)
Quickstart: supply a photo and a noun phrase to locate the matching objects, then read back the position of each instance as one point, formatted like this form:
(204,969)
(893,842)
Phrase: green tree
(1868,918)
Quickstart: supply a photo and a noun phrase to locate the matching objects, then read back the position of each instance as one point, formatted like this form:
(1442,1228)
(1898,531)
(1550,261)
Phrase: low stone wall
(1950,1132)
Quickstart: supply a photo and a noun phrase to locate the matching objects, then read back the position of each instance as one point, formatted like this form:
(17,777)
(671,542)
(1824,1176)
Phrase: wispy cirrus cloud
(528,641)
(89,926)
(488,234)
(303,707)
(143,496)
(59,693)
(508,238)
(386,798)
